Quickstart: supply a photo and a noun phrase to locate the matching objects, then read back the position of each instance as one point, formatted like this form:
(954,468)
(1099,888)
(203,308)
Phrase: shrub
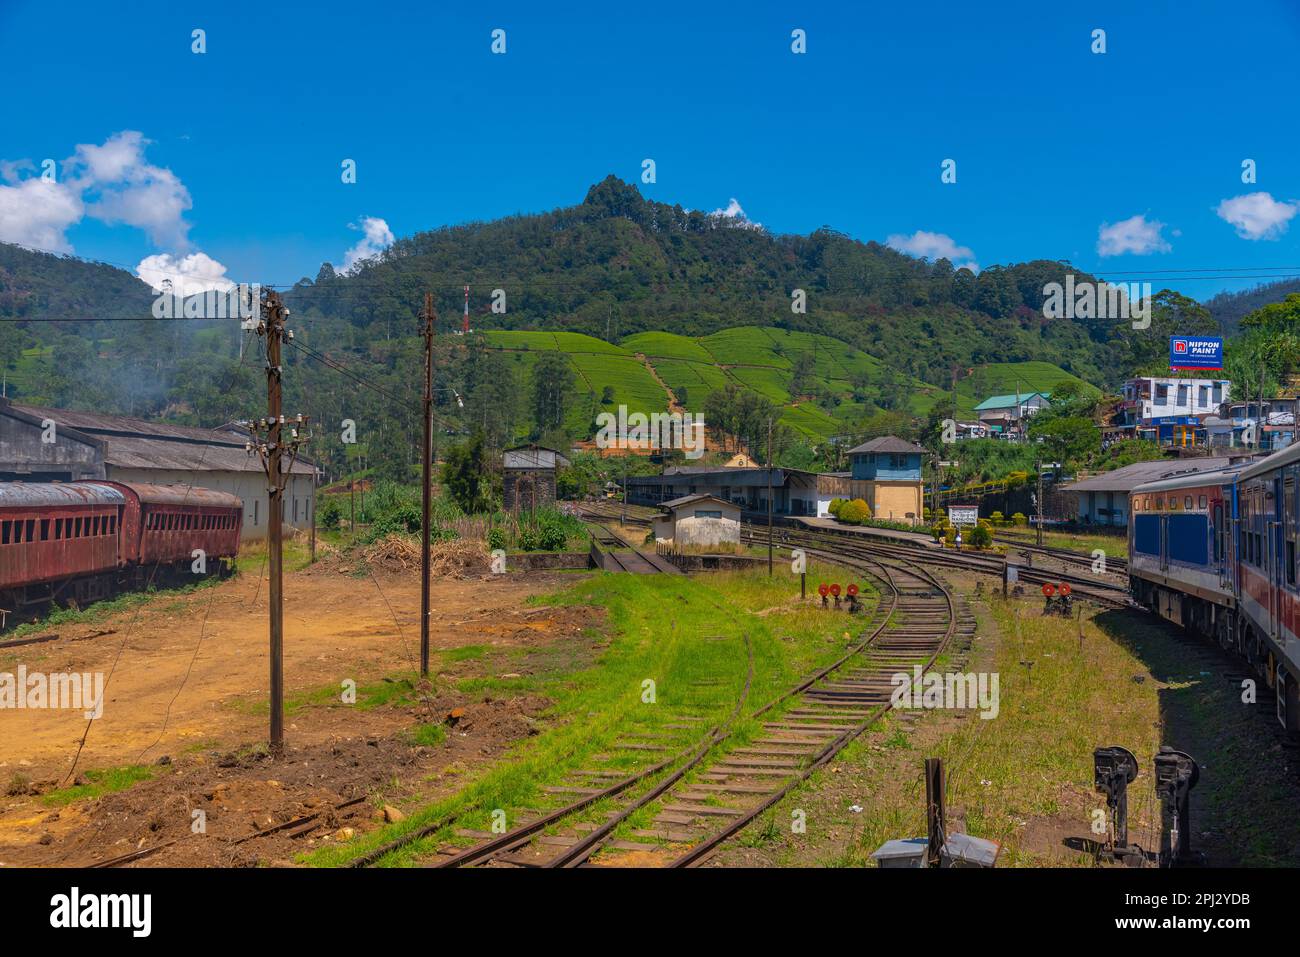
(950,534)
(496,538)
(981,536)
(329,513)
(1019,519)
(835,506)
(997,518)
(854,512)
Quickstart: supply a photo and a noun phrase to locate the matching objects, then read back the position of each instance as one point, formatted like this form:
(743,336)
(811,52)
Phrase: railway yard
(634,717)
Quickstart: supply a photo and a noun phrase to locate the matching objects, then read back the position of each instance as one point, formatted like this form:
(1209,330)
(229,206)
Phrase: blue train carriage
(1268,596)
(1182,553)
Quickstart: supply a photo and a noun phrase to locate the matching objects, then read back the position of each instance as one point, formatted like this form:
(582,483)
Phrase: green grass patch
(100,782)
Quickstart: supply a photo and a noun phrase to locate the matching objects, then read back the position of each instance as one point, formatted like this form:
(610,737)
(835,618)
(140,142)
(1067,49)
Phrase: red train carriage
(164,524)
(83,541)
(58,542)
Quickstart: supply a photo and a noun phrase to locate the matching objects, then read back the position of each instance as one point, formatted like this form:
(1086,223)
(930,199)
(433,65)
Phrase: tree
(1068,439)
(552,387)
(468,477)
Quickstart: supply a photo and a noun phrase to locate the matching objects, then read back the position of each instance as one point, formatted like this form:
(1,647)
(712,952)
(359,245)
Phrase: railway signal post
(270,441)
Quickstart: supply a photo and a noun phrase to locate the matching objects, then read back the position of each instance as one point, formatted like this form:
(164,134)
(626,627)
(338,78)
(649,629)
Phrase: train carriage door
(1164,543)
(1273,537)
(1220,544)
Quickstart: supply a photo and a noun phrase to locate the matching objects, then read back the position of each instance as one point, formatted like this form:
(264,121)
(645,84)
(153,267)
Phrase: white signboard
(1013,574)
(963,514)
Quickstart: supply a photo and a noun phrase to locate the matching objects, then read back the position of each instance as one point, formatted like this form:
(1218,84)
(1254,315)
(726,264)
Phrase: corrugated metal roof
(1131,476)
(137,444)
(48,494)
(888,443)
(698,497)
(1007,401)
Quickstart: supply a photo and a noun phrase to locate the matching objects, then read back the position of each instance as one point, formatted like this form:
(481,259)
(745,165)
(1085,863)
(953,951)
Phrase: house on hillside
(886,474)
(1006,415)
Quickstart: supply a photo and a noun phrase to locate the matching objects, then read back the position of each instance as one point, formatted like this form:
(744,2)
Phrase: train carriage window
(29,530)
(4,533)
(1187,502)
(45,529)
(1203,503)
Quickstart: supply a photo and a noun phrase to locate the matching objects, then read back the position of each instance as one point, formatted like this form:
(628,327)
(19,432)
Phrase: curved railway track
(706,794)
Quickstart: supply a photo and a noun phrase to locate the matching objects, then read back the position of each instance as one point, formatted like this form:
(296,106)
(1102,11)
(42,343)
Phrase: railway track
(1108,592)
(612,553)
(704,795)
(1115,564)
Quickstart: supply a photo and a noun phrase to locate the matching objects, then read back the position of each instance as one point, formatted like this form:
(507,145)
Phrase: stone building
(529,476)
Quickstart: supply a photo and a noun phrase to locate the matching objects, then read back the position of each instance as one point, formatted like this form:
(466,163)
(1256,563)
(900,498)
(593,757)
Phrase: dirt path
(337,627)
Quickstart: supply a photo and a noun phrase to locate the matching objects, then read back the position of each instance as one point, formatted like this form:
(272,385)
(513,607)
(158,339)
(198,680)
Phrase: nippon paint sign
(1195,352)
(963,514)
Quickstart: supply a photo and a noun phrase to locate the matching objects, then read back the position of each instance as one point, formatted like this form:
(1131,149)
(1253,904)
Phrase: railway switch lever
(1114,768)
(1176,774)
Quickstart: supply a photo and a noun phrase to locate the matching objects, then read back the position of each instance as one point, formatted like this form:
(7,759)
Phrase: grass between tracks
(1023,778)
(686,635)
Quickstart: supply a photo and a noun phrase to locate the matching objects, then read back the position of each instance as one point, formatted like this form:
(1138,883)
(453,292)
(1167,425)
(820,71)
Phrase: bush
(497,538)
(329,513)
(835,506)
(997,518)
(1019,519)
(981,536)
(950,534)
(855,512)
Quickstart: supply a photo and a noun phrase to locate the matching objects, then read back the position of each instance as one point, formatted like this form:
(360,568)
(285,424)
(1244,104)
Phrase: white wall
(299,493)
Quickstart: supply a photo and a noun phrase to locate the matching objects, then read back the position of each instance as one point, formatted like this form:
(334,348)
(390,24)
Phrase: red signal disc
(822,589)
(853,590)
(1049,589)
(1065,588)
(835,590)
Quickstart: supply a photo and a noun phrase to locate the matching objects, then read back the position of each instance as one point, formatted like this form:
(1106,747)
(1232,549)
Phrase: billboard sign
(1195,353)
(963,514)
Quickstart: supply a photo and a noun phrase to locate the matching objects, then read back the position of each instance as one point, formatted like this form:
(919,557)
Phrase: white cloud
(125,188)
(1136,235)
(736,213)
(111,182)
(37,214)
(375,238)
(1257,215)
(926,245)
(190,275)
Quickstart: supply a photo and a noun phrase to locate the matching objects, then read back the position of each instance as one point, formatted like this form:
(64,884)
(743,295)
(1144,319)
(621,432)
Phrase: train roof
(1287,456)
(1192,480)
(55,494)
(180,495)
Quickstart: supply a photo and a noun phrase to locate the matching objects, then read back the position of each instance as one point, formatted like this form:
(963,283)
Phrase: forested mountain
(618,264)
(1229,308)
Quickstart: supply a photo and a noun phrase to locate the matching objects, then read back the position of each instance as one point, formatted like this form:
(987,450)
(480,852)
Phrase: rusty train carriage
(83,541)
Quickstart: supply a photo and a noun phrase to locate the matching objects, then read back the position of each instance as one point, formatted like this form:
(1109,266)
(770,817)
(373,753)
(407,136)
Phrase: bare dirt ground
(186,700)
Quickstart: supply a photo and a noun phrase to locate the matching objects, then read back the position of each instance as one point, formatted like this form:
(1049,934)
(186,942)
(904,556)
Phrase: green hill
(842,384)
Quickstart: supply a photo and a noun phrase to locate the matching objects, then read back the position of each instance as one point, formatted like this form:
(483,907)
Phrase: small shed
(698,521)
(529,476)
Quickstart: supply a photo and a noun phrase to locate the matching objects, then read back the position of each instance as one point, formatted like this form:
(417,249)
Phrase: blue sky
(235,154)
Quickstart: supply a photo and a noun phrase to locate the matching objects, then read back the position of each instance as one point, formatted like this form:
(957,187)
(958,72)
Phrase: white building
(699,521)
(1155,397)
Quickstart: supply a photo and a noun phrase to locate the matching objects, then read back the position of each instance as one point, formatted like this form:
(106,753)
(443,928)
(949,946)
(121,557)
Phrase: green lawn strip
(100,781)
(684,634)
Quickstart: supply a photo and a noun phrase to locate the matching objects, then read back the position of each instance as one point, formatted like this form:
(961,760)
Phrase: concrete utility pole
(769,497)
(427,482)
(271,447)
(1040,498)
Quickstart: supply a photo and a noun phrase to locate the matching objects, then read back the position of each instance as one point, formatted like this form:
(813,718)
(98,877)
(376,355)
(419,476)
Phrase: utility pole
(1038,459)
(271,447)
(769,497)
(427,482)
